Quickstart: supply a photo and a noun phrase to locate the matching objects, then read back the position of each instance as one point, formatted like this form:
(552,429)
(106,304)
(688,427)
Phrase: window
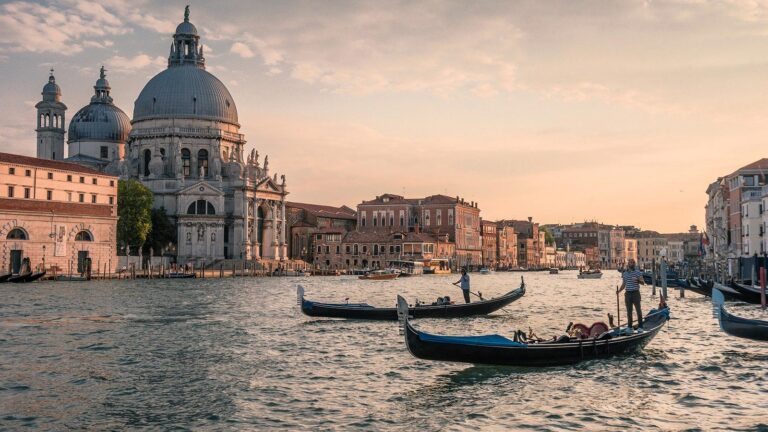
(365,249)
(391,250)
(93,199)
(147,159)
(375,249)
(327,249)
(50,176)
(201,207)
(49,195)
(27,193)
(391,220)
(83,236)
(319,249)
(10,191)
(69,177)
(202,162)
(338,249)
(81,197)
(82,179)
(319,237)
(348,249)
(11,170)
(69,196)
(28,173)
(111,182)
(17,234)
(104,152)
(375,220)
(185,161)
(95,181)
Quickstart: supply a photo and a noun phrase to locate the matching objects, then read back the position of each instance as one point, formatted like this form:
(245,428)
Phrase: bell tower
(50,122)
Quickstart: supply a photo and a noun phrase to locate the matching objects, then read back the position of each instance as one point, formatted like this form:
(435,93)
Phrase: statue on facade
(178,163)
(186,13)
(282,180)
(201,172)
(266,165)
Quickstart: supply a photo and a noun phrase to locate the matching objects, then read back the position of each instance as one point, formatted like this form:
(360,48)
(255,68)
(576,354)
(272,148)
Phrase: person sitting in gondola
(464,281)
(632,278)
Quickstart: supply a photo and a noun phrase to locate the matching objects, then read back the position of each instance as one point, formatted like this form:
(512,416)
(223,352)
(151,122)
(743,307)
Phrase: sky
(565,111)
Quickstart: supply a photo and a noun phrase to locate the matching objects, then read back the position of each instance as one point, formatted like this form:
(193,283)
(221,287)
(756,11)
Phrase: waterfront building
(506,245)
(490,243)
(184,144)
(607,239)
(530,242)
(56,213)
(439,216)
(752,228)
(310,225)
(570,259)
(630,249)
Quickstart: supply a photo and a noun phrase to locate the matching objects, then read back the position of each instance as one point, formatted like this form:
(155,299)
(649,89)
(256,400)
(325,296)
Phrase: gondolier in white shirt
(464,281)
(632,278)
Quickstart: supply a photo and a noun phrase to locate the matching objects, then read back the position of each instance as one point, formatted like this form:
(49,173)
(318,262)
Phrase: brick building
(506,245)
(490,243)
(530,242)
(311,223)
(56,213)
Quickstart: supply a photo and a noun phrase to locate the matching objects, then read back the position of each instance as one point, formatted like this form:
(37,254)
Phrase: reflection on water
(237,354)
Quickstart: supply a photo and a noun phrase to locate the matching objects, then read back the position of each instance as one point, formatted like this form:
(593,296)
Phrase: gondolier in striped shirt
(464,281)
(632,278)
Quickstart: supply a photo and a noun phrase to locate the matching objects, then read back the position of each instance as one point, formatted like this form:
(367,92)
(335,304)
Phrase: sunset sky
(622,112)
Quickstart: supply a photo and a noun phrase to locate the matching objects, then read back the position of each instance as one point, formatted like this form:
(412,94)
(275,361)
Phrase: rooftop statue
(186,14)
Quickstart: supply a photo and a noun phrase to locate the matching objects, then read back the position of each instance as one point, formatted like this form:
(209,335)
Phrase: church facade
(184,144)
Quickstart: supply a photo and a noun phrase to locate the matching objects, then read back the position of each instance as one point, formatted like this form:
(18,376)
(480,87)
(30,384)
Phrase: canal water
(237,354)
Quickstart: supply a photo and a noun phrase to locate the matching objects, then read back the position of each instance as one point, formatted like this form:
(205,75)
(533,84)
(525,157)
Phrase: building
(607,240)
(56,213)
(506,244)
(490,244)
(630,249)
(530,242)
(453,219)
(184,144)
(309,224)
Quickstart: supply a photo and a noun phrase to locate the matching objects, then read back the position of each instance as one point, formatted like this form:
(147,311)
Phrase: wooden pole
(762,286)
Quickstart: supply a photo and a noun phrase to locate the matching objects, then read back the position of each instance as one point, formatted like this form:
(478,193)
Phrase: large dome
(185,91)
(99,122)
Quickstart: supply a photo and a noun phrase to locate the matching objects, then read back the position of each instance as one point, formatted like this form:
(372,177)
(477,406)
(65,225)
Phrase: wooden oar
(618,307)
(478,294)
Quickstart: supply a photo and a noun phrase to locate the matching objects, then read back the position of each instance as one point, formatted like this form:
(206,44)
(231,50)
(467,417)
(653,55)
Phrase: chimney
(530,219)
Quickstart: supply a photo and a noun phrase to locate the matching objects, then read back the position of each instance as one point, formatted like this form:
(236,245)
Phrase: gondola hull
(699,287)
(5,277)
(737,326)
(748,293)
(366,312)
(496,350)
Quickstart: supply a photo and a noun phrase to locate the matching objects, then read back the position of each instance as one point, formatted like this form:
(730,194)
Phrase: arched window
(186,161)
(147,158)
(84,236)
(17,234)
(201,207)
(202,162)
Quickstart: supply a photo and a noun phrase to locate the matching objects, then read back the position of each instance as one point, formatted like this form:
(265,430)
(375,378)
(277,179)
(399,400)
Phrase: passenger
(631,280)
(464,281)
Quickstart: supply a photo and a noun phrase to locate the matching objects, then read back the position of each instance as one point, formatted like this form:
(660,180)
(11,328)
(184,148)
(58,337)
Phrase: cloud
(130,64)
(242,50)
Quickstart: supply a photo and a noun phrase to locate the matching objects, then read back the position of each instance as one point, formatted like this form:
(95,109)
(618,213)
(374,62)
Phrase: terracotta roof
(58,207)
(758,165)
(46,163)
(432,199)
(342,212)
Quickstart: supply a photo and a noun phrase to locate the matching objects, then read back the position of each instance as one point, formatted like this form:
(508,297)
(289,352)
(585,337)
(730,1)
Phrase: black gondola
(748,293)
(5,277)
(19,277)
(365,311)
(699,287)
(181,275)
(27,277)
(499,350)
(737,326)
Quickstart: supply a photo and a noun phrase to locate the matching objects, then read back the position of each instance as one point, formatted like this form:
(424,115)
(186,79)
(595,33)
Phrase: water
(236,354)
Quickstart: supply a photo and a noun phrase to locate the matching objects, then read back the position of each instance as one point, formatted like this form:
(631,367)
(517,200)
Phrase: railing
(142,132)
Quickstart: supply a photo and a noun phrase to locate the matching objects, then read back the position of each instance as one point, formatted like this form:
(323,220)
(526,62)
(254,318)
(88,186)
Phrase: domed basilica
(184,144)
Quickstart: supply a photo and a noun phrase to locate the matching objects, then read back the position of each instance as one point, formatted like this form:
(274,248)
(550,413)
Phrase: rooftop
(46,163)
(342,212)
(57,207)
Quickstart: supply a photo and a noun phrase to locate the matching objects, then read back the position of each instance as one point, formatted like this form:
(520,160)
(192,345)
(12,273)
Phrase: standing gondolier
(464,281)
(632,278)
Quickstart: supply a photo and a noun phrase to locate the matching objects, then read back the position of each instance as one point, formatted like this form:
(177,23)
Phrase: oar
(618,308)
(476,294)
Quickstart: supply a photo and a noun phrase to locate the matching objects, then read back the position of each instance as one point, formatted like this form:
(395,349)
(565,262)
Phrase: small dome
(51,90)
(185,91)
(186,28)
(99,122)
(102,82)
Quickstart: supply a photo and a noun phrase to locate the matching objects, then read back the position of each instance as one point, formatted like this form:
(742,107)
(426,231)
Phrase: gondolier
(631,281)
(464,281)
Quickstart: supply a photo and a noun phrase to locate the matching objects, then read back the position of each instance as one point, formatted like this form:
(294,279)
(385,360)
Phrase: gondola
(365,311)
(179,275)
(729,293)
(699,287)
(737,326)
(499,350)
(17,278)
(5,277)
(748,293)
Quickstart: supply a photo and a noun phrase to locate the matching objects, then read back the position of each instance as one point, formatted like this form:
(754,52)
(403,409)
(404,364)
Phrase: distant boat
(590,274)
(180,275)
(554,271)
(380,275)
(485,271)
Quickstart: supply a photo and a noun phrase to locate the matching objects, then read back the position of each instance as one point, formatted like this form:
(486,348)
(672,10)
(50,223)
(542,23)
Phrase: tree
(162,233)
(549,239)
(134,209)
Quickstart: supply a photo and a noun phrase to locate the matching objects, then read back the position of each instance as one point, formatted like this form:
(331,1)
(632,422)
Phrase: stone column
(275,243)
(283,245)
(256,246)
